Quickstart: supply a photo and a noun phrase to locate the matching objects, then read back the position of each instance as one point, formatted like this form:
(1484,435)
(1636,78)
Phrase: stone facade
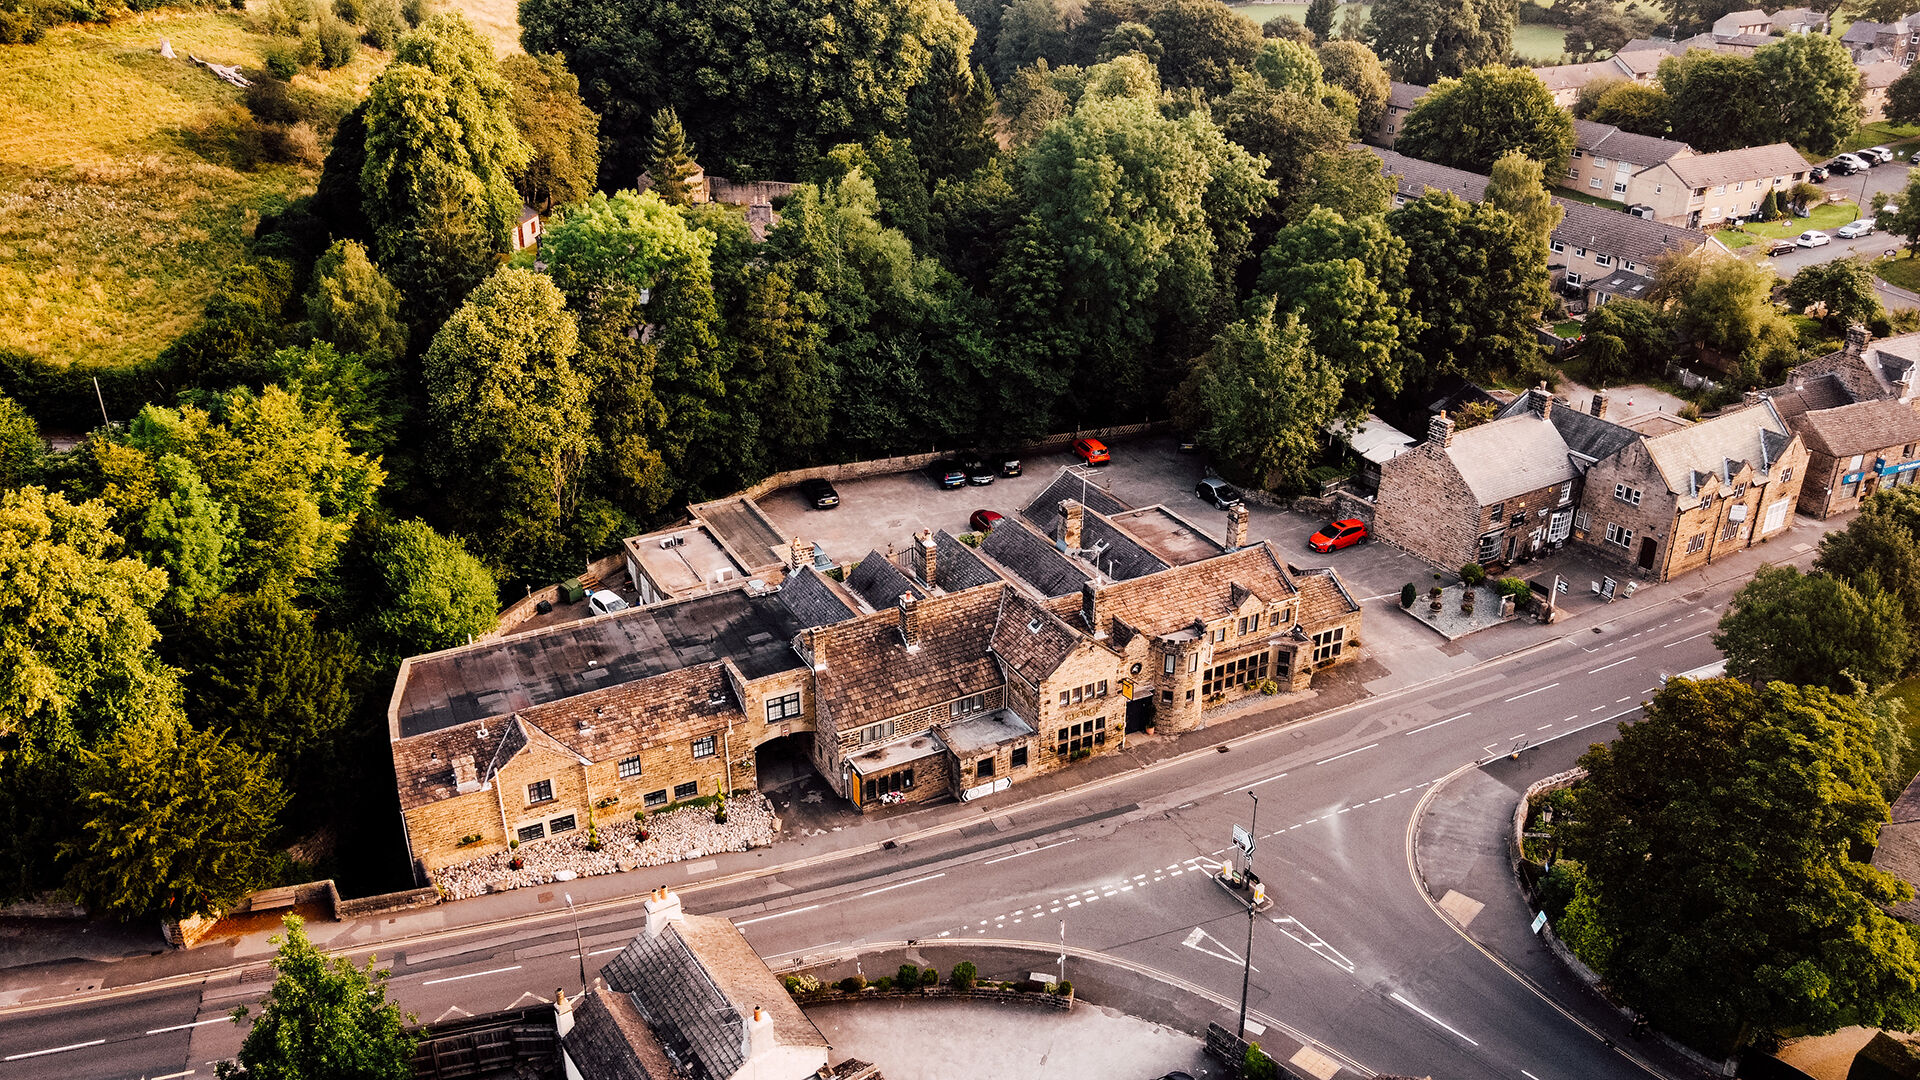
(1425,505)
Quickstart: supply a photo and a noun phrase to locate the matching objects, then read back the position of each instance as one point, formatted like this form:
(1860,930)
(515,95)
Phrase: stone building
(1855,409)
(950,673)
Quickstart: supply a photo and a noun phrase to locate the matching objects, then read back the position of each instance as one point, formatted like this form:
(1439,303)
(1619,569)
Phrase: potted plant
(1433,595)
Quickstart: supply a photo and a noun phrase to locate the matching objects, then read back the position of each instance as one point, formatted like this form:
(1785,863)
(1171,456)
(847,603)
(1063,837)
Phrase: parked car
(1009,462)
(983,521)
(979,473)
(1846,165)
(604,602)
(1856,227)
(819,494)
(1812,238)
(1218,492)
(1092,451)
(1780,247)
(1818,174)
(1343,533)
(1883,153)
(947,474)
(1189,443)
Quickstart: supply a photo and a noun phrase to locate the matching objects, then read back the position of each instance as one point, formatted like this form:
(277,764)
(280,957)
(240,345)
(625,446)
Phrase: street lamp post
(1246,971)
(579,946)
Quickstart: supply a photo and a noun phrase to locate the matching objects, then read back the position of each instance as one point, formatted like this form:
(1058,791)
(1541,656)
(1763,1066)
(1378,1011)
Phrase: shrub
(852,984)
(1408,594)
(965,975)
(337,41)
(469,840)
(884,982)
(1473,574)
(382,24)
(908,975)
(1514,587)
(930,977)
(414,11)
(802,983)
(283,59)
(1269,687)
(20,27)
(309,48)
(1258,1065)
(1063,988)
(300,145)
(720,816)
(348,10)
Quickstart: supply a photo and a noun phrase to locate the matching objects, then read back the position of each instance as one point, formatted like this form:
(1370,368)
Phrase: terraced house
(952,672)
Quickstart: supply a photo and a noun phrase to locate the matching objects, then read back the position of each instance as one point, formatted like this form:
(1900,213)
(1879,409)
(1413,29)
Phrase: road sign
(1559,586)
(1539,921)
(1243,840)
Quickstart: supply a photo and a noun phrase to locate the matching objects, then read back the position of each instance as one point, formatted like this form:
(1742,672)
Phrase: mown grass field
(1826,217)
(1530,40)
(120,204)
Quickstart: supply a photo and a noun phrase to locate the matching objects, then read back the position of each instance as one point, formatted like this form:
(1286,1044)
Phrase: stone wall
(1425,506)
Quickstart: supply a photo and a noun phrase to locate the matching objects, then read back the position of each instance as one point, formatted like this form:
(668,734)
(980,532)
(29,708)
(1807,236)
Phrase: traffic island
(1245,887)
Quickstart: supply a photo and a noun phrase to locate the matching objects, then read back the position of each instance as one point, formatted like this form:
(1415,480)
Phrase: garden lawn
(1902,139)
(1902,271)
(499,21)
(1531,41)
(1826,217)
(1907,692)
(119,203)
(1568,330)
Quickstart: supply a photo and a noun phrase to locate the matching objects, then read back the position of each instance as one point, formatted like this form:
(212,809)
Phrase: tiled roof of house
(1866,33)
(959,567)
(1788,17)
(1575,76)
(610,1040)
(685,1008)
(1803,395)
(812,601)
(744,979)
(1116,554)
(1717,446)
(1860,428)
(1587,437)
(1642,62)
(1034,559)
(1031,640)
(1662,45)
(1078,485)
(1608,141)
(870,674)
(1511,456)
(880,583)
(1174,599)
(1708,170)
(1402,95)
(1878,76)
(1323,596)
(625,719)
(1899,850)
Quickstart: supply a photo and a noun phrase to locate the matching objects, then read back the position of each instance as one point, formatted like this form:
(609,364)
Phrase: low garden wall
(913,981)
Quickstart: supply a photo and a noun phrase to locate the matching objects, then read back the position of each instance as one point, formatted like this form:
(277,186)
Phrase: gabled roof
(867,673)
(1608,141)
(1077,486)
(1323,596)
(1588,438)
(1718,447)
(1801,396)
(625,719)
(959,566)
(1880,75)
(1510,456)
(1642,62)
(880,583)
(811,600)
(1864,32)
(1030,640)
(1172,600)
(1402,95)
(1575,76)
(1662,45)
(1032,557)
(1117,554)
(1753,162)
(610,1040)
(1860,428)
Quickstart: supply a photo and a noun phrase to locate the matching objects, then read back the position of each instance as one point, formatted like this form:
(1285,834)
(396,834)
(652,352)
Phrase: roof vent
(1033,627)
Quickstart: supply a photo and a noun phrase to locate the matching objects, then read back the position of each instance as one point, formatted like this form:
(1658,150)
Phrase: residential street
(1860,188)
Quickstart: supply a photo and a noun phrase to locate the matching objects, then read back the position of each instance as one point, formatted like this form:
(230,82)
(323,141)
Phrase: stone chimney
(1857,338)
(1540,400)
(1237,526)
(760,1038)
(929,556)
(1751,397)
(1071,515)
(562,1013)
(910,621)
(663,907)
(1598,406)
(801,552)
(464,780)
(1090,608)
(1440,429)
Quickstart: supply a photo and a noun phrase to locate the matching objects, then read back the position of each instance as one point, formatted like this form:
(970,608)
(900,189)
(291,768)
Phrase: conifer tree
(670,159)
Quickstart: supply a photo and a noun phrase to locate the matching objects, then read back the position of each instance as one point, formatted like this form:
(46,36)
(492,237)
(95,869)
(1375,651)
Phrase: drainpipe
(726,747)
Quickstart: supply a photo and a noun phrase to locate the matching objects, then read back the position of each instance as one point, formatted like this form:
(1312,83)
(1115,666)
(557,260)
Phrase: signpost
(1243,839)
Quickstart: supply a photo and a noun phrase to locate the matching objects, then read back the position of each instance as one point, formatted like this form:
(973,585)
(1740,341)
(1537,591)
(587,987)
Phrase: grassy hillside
(497,20)
(120,202)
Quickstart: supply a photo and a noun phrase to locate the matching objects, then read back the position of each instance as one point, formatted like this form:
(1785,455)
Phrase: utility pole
(1063,950)
(579,946)
(1246,971)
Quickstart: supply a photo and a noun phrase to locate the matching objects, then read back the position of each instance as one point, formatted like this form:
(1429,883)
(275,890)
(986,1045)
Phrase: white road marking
(1268,780)
(471,975)
(901,884)
(598,952)
(1437,723)
(1543,727)
(1533,691)
(1688,638)
(779,915)
(1564,719)
(195,1024)
(1615,664)
(1529,1075)
(75,1046)
(174,1076)
(1617,701)
(1349,753)
(1436,1020)
(1318,945)
(1029,851)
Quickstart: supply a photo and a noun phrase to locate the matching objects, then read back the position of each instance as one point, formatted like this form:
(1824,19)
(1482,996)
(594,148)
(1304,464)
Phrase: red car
(1344,533)
(1092,451)
(984,520)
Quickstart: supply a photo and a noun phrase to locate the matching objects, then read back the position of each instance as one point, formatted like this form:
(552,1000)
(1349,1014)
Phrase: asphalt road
(1349,956)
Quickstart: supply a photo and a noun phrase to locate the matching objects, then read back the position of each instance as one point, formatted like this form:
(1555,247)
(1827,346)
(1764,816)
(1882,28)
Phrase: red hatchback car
(1092,451)
(983,521)
(1344,533)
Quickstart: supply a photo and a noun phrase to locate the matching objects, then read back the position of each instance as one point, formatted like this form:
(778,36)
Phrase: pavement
(936,1040)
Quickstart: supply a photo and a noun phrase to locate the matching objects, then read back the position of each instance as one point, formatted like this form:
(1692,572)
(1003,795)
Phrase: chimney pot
(1857,339)
(1440,429)
(910,620)
(1540,400)
(1090,608)
(929,557)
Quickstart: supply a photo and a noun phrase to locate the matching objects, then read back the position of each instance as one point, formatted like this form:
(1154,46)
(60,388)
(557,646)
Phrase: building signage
(1905,466)
(1852,477)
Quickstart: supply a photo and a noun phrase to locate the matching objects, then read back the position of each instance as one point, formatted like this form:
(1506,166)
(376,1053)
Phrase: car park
(1339,534)
(1092,451)
(979,473)
(983,521)
(1781,247)
(604,602)
(1812,238)
(819,494)
(1218,493)
(1854,228)
(947,474)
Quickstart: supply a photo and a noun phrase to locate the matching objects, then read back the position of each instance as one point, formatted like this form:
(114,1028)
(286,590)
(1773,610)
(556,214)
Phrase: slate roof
(1717,446)
(684,1007)
(1575,76)
(1511,456)
(1402,95)
(1880,75)
(812,601)
(1899,850)
(610,1040)
(1171,601)
(880,583)
(959,566)
(1029,639)
(1643,61)
(1860,428)
(1034,559)
(1587,437)
(1118,555)
(1708,170)
(870,674)
(983,732)
(744,979)
(1044,510)
(1824,391)
(1671,48)
(1608,141)
(1866,33)
(1623,283)
(1323,596)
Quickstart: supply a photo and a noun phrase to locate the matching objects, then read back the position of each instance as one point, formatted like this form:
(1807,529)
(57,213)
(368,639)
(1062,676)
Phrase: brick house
(1875,79)
(1898,40)
(1565,81)
(1856,410)
(947,674)
(1699,190)
(1400,101)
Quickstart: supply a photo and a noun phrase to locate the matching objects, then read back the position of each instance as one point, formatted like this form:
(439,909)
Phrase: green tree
(670,162)
(1348,181)
(21,446)
(1903,98)
(1345,283)
(1844,287)
(76,635)
(1201,42)
(1770,206)
(1320,15)
(1469,122)
(1637,107)
(323,1020)
(188,533)
(1424,41)
(352,306)
(562,134)
(1260,399)
(1723,837)
(175,821)
(1877,551)
(1597,27)
(1905,222)
(1727,305)
(1030,30)
(625,238)
(1286,28)
(382,24)
(404,589)
(1352,67)
(1518,186)
(1627,338)
(1714,100)
(764,87)
(442,152)
(1131,37)
(1478,282)
(359,391)
(1813,629)
(1811,90)
(1285,128)
(509,418)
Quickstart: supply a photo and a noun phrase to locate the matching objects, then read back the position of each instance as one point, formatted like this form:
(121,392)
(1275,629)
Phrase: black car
(947,474)
(979,473)
(1841,168)
(819,494)
(1818,174)
(1009,462)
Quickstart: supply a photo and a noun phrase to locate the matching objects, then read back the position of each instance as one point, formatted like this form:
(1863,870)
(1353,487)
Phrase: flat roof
(681,561)
(976,734)
(895,754)
(495,678)
(744,529)
(1169,535)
